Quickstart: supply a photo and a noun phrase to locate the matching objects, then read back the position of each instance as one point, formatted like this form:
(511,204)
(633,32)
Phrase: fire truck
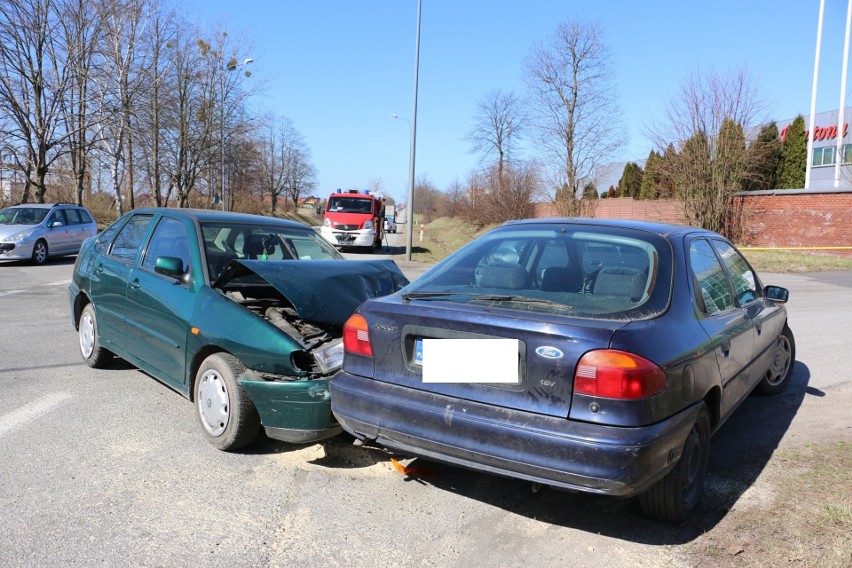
(354,219)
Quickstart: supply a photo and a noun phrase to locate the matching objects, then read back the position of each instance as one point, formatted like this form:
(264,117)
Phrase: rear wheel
(227,415)
(40,252)
(778,375)
(678,494)
(90,346)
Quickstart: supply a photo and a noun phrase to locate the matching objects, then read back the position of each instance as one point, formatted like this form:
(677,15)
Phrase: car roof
(44,205)
(662,229)
(204,215)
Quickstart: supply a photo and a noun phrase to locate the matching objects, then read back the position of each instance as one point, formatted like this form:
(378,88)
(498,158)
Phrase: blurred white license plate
(468,360)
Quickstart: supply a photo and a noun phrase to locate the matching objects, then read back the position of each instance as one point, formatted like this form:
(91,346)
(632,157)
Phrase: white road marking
(10,292)
(57,283)
(31,411)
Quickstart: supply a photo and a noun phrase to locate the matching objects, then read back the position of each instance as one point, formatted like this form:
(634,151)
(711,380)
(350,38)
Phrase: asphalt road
(109,468)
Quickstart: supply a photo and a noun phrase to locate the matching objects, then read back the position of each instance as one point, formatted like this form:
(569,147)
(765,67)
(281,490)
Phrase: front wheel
(678,494)
(94,355)
(39,252)
(778,375)
(227,415)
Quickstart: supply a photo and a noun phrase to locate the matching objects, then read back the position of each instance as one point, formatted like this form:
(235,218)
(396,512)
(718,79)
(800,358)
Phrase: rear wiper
(426,295)
(519,300)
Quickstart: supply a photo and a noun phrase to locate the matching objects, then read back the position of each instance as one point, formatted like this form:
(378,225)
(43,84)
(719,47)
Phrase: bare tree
(34,79)
(273,166)
(159,53)
(81,26)
(118,81)
(506,195)
(708,119)
(573,100)
(498,125)
(458,201)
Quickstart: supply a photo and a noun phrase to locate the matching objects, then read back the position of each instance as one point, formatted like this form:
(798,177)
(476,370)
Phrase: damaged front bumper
(298,412)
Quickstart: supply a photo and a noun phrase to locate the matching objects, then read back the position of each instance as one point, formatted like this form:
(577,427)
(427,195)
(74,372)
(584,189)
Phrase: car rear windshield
(575,270)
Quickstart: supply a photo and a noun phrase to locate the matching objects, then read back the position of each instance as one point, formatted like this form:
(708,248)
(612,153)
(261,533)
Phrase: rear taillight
(356,338)
(617,374)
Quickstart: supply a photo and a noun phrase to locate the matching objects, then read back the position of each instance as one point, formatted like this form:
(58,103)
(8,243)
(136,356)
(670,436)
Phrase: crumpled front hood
(324,291)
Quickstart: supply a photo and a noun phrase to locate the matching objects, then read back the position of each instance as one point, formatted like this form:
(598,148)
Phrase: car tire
(93,354)
(225,412)
(40,252)
(778,375)
(678,494)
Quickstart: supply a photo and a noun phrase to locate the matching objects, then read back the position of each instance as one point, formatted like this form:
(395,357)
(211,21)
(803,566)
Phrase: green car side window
(129,240)
(169,239)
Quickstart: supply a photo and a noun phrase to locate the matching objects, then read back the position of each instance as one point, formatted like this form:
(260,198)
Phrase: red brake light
(617,374)
(356,338)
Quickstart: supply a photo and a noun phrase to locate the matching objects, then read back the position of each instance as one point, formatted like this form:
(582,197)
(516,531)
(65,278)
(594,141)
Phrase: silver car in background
(37,231)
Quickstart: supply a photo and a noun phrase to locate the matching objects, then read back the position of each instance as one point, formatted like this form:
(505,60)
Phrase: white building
(825,152)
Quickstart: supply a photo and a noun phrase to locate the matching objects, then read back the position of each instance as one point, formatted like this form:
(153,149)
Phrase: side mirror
(54,224)
(776,293)
(170,266)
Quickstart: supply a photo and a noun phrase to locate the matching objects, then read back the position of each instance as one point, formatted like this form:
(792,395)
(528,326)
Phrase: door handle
(726,348)
(135,284)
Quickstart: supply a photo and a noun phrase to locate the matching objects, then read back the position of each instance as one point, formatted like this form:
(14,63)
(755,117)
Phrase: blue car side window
(716,293)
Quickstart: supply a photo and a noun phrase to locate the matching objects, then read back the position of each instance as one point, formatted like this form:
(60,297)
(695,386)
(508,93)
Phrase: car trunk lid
(548,348)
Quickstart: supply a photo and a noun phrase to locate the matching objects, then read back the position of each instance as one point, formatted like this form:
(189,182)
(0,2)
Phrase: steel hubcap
(213,403)
(87,335)
(781,363)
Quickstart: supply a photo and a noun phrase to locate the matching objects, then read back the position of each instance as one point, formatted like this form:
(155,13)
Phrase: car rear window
(582,271)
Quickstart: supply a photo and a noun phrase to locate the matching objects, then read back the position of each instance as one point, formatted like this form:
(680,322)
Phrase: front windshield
(22,215)
(351,204)
(582,271)
(224,242)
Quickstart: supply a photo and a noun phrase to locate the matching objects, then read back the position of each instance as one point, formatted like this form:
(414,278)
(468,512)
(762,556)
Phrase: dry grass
(807,522)
(794,261)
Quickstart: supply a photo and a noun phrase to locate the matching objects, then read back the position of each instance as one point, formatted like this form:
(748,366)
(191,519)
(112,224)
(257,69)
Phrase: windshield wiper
(484,298)
(520,300)
(427,295)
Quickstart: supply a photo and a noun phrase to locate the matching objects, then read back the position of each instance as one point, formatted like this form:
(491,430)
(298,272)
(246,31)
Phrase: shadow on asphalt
(740,450)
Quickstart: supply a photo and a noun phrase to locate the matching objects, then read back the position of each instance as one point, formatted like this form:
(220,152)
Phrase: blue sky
(339,68)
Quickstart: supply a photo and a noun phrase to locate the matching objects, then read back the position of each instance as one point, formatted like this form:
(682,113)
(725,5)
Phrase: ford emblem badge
(549,352)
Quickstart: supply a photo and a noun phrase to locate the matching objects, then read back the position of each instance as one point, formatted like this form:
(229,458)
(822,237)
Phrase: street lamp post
(410,204)
(229,67)
(409,214)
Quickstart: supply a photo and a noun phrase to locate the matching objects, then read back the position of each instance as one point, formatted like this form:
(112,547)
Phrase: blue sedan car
(590,355)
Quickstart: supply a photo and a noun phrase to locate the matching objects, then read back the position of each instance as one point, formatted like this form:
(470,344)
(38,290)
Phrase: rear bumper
(544,449)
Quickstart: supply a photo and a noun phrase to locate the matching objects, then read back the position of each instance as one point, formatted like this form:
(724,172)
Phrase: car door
(108,274)
(729,328)
(74,230)
(159,306)
(56,232)
(766,316)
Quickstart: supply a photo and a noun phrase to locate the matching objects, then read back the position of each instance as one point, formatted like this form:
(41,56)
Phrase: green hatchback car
(242,314)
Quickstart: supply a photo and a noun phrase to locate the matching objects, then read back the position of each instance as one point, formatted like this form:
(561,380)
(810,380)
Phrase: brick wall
(798,219)
(782,218)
